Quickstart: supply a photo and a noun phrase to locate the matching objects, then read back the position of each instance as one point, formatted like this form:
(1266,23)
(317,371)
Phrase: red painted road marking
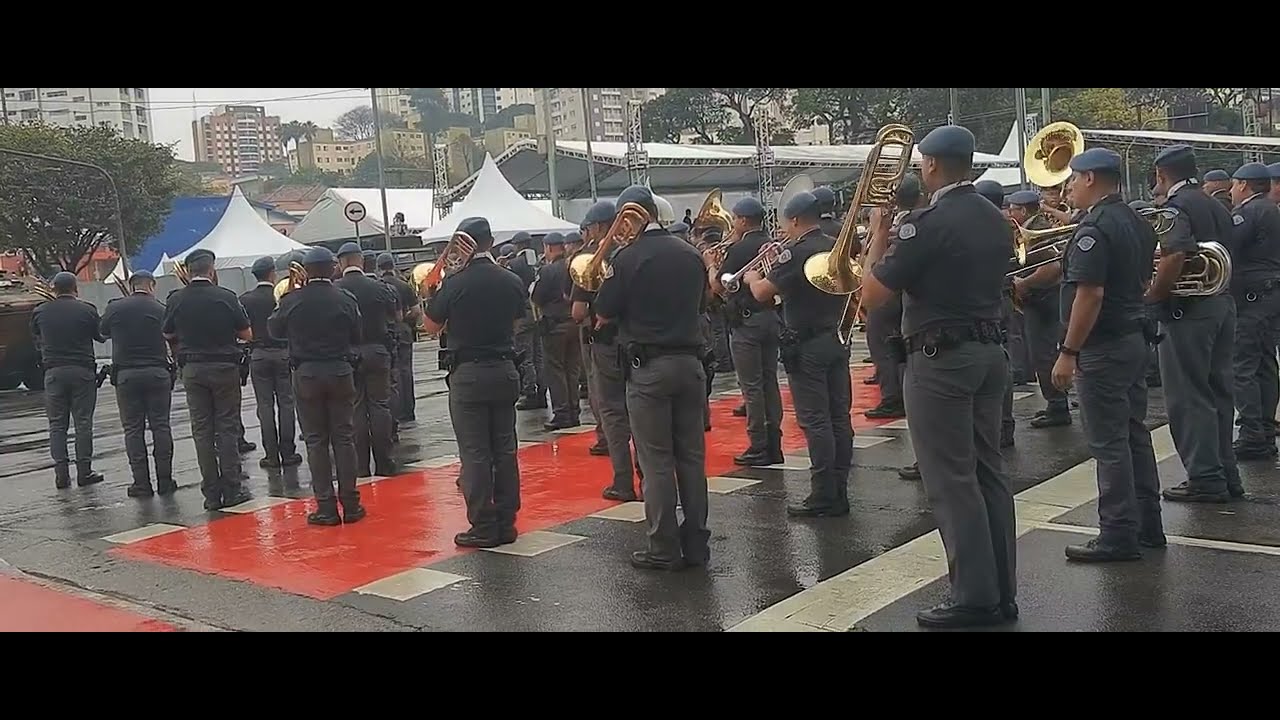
(413,517)
(28,607)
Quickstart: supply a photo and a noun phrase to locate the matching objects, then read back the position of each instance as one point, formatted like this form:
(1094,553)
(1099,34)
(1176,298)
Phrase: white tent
(1011,176)
(508,212)
(327,221)
(240,237)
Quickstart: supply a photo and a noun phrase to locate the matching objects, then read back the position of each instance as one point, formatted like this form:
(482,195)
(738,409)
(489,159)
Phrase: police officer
(204,321)
(1217,185)
(593,229)
(817,363)
(1153,315)
(827,207)
(654,291)
(754,338)
(269,372)
(406,333)
(1038,293)
(1104,271)
(140,372)
(368,263)
(1196,355)
(561,354)
(323,326)
(1256,288)
(573,245)
(379,309)
(1014,323)
(680,229)
(949,263)
(65,329)
(480,304)
(528,340)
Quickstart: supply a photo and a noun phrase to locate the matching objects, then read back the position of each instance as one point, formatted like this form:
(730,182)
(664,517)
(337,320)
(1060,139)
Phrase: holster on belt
(445,361)
(103,373)
(934,340)
(243,366)
(896,347)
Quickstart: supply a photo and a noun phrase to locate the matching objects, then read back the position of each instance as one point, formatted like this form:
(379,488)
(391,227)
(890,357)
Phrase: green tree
(400,172)
(1098,109)
(742,103)
(305,176)
(432,107)
(358,123)
(59,215)
(669,116)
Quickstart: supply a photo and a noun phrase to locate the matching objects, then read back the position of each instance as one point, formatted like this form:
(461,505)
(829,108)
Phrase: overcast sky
(172,109)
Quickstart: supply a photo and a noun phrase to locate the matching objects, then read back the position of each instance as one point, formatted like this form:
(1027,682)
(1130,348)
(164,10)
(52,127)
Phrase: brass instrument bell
(296,279)
(1047,160)
(713,214)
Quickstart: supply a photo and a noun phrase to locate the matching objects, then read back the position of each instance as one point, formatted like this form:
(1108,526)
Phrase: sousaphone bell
(1047,160)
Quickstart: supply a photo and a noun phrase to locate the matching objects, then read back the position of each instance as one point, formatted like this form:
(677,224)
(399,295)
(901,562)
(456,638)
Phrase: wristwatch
(1064,350)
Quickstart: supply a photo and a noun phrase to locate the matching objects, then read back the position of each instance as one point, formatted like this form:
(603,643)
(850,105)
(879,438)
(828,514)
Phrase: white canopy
(1007,176)
(492,197)
(240,237)
(327,221)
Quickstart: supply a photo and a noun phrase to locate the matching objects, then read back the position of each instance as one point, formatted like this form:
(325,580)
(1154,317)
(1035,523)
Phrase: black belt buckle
(929,350)
(746,313)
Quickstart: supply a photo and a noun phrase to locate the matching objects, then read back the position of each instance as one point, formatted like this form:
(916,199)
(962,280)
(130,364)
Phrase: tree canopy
(58,215)
(358,123)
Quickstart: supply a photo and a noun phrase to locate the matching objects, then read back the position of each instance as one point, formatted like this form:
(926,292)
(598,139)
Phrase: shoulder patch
(785,256)
(906,231)
(608,271)
(1237,219)
(1086,243)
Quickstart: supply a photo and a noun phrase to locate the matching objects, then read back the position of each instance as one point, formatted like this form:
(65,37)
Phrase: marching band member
(379,310)
(404,408)
(886,322)
(533,390)
(1217,185)
(1196,355)
(269,372)
(949,262)
(561,354)
(827,207)
(1010,319)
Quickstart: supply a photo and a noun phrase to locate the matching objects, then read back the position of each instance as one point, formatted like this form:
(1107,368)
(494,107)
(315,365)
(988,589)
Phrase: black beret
(826,199)
(522,237)
(293,256)
(317,255)
(262,266)
(370,255)
(1098,160)
(991,190)
(948,141)
(553,238)
(507,250)
(1141,204)
(200,254)
(1024,197)
(642,196)
(748,207)
(141,275)
(1274,169)
(909,188)
(386,261)
(478,228)
(678,228)
(602,212)
(1251,171)
(63,281)
(573,237)
(1217,176)
(350,248)
(1174,154)
(803,204)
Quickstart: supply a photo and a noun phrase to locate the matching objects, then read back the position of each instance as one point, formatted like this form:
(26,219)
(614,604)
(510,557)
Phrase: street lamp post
(382,178)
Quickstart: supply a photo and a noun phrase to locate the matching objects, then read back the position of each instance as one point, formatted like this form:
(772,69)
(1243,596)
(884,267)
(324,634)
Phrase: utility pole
(591,156)
(1044,107)
(4,107)
(551,152)
(1020,103)
(382,178)
(954,114)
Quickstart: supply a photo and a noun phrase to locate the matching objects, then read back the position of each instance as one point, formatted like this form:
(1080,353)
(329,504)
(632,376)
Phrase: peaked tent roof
(240,237)
(1006,176)
(508,212)
(327,221)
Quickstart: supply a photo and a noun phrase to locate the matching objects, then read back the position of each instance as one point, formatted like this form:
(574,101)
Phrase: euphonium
(455,256)
(1204,274)
(713,214)
(587,270)
(296,279)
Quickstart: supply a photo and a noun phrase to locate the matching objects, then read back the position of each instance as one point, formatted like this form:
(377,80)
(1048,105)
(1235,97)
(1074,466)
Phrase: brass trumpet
(587,269)
(296,279)
(455,256)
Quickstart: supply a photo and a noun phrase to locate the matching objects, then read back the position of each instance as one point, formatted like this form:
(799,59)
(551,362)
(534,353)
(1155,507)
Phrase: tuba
(1047,160)
(713,214)
(297,278)
(455,256)
(588,269)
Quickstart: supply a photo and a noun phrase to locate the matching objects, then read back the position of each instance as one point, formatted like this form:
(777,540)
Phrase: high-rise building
(606,106)
(128,110)
(484,103)
(240,138)
(394,101)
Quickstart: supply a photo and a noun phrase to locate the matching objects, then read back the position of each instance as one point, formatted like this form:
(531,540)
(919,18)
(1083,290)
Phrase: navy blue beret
(948,141)
(678,228)
(1174,154)
(909,187)
(145,275)
(602,212)
(1098,160)
(1217,176)
(522,237)
(748,207)
(386,261)
(1251,171)
(1024,197)
(1141,204)
(991,190)
(201,254)
(293,256)
(317,255)
(803,204)
(350,248)
(573,237)
(262,266)
(63,281)
(507,250)
(554,238)
(1274,169)
(478,228)
(642,196)
(826,198)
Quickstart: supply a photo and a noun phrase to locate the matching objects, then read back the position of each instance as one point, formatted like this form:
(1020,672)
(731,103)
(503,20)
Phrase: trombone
(1030,242)
(455,256)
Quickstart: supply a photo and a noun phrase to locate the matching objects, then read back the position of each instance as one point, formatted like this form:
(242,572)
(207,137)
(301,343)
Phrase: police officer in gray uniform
(654,291)
(562,358)
(1153,314)
(141,374)
(817,363)
(1196,355)
(406,332)
(1104,271)
(1217,185)
(480,304)
(65,329)
(379,309)
(204,322)
(1256,289)
(755,328)
(1013,323)
(533,389)
(827,219)
(269,372)
(949,264)
(323,326)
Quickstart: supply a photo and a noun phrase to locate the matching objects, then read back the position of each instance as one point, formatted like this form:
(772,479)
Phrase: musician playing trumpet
(562,353)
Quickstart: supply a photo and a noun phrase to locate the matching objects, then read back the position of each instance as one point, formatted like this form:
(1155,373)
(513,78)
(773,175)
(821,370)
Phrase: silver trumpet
(762,262)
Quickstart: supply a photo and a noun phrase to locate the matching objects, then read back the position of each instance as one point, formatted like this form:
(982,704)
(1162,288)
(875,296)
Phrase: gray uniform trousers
(609,394)
(213,401)
(273,392)
(70,396)
(589,372)
(1010,319)
(1019,350)
(562,363)
(405,408)
(1196,364)
(822,394)
(371,417)
(664,401)
(1044,332)
(145,396)
(482,406)
(754,344)
(953,400)
(883,322)
(529,345)
(1257,333)
(1111,384)
(326,405)
(721,339)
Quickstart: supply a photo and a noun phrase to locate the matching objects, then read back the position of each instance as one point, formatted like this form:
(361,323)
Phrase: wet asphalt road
(267,571)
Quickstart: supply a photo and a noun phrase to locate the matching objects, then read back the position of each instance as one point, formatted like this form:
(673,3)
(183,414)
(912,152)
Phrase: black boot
(141,487)
(165,485)
(775,447)
(85,476)
(62,476)
(326,514)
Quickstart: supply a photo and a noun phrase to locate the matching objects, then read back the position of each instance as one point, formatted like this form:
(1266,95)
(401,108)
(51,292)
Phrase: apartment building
(484,103)
(394,101)
(606,106)
(327,153)
(128,110)
(239,138)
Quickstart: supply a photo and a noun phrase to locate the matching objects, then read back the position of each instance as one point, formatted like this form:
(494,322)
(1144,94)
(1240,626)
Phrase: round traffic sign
(354,211)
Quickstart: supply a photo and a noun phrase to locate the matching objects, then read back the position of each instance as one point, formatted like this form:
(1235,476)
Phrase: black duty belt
(49,365)
(269,345)
(639,354)
(1259,291)
(466,355)
(932,341)
(228,358)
